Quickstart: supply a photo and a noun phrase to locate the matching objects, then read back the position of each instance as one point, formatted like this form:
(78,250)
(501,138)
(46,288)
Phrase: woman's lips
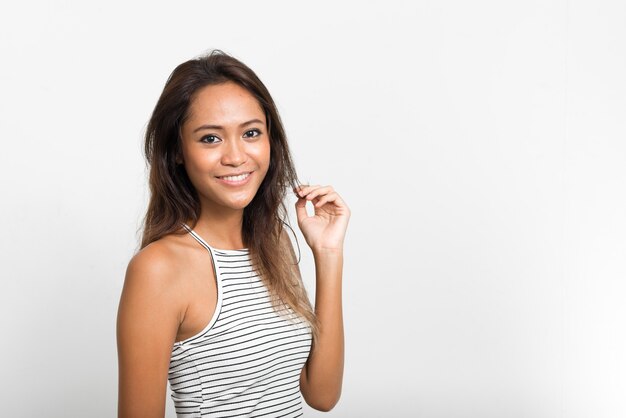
(236,180)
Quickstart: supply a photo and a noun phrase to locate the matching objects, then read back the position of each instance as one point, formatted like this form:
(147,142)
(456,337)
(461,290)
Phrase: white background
(480,145)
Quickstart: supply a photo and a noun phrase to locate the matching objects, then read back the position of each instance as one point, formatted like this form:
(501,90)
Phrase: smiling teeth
(236,178)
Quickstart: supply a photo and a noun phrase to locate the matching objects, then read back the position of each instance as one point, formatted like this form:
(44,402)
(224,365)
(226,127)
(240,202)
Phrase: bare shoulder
(153,274)
(154,263)
(160,260)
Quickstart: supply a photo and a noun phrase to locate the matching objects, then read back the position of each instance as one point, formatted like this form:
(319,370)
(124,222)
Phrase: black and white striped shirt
(247,360)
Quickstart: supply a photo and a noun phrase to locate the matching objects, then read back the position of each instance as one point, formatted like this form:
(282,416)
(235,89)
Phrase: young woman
(214,300)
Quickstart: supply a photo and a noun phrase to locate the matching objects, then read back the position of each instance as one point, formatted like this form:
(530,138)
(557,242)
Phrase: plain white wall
(480,146)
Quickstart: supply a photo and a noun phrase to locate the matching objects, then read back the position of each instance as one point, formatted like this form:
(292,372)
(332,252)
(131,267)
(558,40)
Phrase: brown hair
(174,200)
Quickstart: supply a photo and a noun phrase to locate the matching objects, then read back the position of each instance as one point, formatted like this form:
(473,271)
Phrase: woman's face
(225,146)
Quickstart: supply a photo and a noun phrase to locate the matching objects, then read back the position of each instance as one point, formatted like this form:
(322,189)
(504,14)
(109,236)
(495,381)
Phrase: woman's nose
(234,153)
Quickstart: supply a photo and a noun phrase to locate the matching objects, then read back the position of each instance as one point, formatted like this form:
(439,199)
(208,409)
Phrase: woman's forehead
(226,103)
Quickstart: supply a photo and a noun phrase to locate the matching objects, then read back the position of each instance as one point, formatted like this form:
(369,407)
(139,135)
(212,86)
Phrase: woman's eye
(252,133)
(209,139)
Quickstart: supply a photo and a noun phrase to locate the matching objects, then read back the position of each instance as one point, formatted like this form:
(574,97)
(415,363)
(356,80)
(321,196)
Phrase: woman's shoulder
(160,260)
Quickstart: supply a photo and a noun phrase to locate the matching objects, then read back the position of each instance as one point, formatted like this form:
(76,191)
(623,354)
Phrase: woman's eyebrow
(221,127)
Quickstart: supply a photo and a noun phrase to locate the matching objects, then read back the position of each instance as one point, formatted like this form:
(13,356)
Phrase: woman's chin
(238,204)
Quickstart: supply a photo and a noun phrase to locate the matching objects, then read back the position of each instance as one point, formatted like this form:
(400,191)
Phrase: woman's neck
(221,228)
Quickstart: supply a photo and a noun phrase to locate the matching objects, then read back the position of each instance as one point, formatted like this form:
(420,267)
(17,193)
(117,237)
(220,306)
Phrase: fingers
(319,196)
(301,213)
(311,192)
(331,197)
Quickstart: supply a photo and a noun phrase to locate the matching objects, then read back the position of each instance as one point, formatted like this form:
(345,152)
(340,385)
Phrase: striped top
(247,361)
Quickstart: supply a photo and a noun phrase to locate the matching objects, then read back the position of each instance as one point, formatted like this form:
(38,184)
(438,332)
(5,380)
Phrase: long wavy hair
(174,200)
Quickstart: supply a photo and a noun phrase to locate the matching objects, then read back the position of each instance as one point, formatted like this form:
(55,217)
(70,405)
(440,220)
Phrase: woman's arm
(322,375)
(147,323)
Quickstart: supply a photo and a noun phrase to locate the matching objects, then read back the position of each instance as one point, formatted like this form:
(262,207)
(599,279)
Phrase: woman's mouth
(236,180)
